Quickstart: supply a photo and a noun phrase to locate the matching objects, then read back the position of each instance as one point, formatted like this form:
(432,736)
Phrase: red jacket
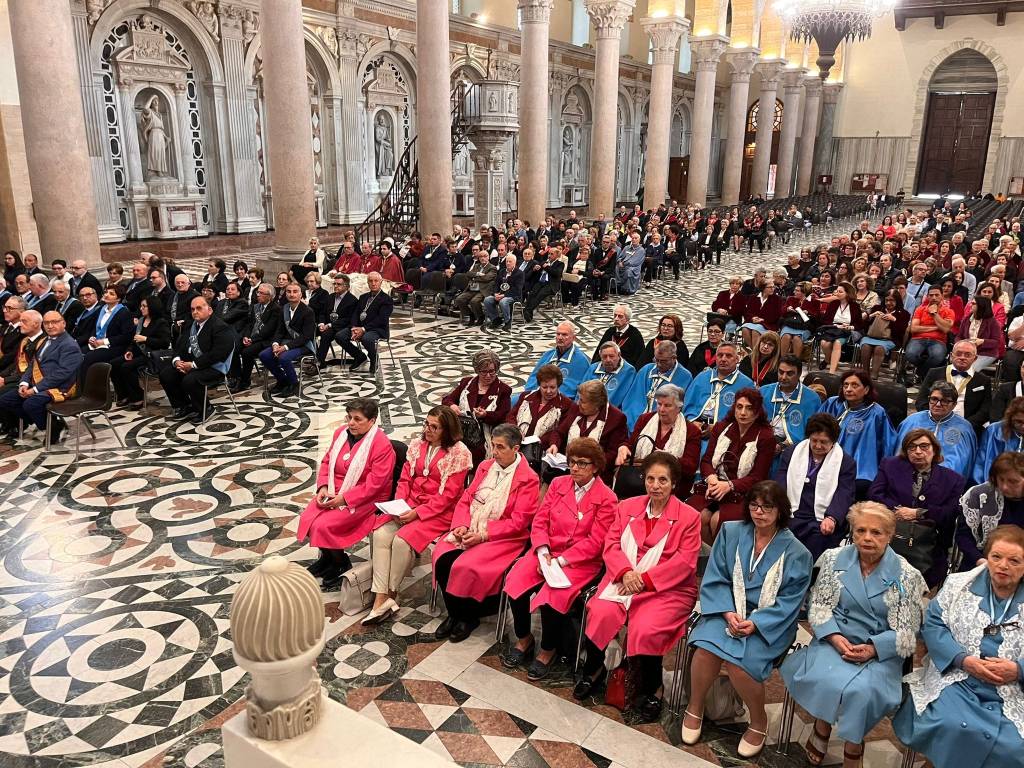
(769,313)
(614,434)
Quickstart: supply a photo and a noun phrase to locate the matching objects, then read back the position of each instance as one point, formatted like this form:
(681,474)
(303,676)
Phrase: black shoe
(444,630)
(57,427)
(514,657)
(507,327)
(590,687)
(331,579)
(182,414)
(318,566)
(356,362)
(293,391)
(528,316)
(538,670)
(211,411)
(240,386)
(483,322)
(649,709)
(121,402)
(462,630)
(496,322)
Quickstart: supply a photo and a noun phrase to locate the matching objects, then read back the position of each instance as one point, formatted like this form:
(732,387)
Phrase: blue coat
(992,444)
(617,383)
(574,364)
(967,718)
(856,696)
(866,434)
(700,391)
(776,623)
(59,364)
(640,398)
(795,410)
(954,433)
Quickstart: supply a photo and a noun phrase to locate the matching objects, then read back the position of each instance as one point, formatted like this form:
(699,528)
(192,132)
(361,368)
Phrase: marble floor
(117,571)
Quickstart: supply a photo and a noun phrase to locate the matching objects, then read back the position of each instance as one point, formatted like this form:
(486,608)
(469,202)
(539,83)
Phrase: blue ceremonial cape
(640,398)
(699,393)
(865,434)
(795,409)
(617,384)
(574,365)
(955,434)
(992,444)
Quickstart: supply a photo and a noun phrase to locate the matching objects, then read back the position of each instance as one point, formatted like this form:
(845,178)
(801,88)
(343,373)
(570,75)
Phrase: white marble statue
(384,146)
(568,154)
(155,137)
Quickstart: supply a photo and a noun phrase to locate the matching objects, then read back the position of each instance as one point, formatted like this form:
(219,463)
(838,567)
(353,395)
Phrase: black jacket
(136,294)
(71,311)
(9,341)
(509,283)
(233,312)
(342,317)
(320,302)
(88,280)
(216,340)
(299,330)
(977,397)
(270,323)
(182,313)
(378,311)
(631,344)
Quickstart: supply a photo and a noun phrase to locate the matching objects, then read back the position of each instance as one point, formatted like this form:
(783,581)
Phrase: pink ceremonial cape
(392,269)
(433,509)
(656,619)
(477,573)
(338,528)
(575,532)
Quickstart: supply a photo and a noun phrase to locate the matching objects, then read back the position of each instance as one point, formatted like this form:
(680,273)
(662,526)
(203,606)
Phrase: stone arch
(921,104)
(399,53)
(474,69)
(682,126)
(323,61)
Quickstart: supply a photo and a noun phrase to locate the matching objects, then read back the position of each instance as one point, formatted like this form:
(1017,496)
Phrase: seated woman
(840,319)
(750,597)
(739,454)
(433,478)
(650,561)
(592,417)
(865,431)
(850,673)
(761,313)
(483,397)
(981,328)
(999,437)
(539,411)
(670,328)
(356,472)
(966,698)
(918,489)
(1000,501)
(569,529)
(762,364)
(489,530)
(703,355)
(152,333)
(664,430)
(798,326)
(820,481)
(885,328)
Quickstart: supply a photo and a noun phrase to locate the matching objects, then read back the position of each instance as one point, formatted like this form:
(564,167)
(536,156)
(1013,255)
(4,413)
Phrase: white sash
(355,469)
(827,481)
(630,549)
(746,459)
(675,444)
(769,588)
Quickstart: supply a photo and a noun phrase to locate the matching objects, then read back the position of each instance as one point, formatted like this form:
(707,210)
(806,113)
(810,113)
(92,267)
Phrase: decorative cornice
(609,16)
(665,33)
(813,86)
(742,63)
(535,11)
(793,80)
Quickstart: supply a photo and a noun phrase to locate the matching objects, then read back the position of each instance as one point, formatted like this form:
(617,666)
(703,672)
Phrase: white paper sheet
(531,440)
(553,574)
(394,508)
(556,460)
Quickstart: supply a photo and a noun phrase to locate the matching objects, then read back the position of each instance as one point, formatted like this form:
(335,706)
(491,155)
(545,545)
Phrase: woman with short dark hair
(483,397)
(1000,501)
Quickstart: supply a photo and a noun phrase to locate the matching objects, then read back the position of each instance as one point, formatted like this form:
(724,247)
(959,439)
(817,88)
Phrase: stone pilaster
(433,115)
(533,132)
(742,64)
(665,34)
(808,135)
(793,82)
(826,129)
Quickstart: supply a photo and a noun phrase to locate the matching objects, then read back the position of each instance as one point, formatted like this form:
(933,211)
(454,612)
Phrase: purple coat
(940,496)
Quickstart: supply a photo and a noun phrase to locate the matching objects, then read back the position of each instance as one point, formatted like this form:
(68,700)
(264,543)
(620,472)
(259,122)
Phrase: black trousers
(186,390)
(461,609)
(327,338)
(571,292)
(125,376)
(751,238)
(673,260)
(649,667)
(554,626)
(241,367)
(539,294)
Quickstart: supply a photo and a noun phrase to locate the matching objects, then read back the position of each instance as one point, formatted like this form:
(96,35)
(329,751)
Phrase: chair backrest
(460,281)
(830,381)
(433,282)
(401,453)
(97,384)
(226,365)
(893,398)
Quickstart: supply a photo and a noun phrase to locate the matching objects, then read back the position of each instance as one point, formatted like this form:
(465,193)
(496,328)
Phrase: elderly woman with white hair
(664,429)
(865,611)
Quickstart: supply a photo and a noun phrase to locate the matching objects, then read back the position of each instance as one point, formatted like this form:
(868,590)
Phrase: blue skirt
(885,344)
(787,331)
(754,327)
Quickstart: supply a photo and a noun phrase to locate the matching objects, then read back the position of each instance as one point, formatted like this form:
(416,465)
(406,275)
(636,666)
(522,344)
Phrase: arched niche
(576,120)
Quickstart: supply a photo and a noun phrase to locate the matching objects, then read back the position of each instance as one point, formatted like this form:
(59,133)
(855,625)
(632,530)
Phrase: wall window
(685,62)
(580,23)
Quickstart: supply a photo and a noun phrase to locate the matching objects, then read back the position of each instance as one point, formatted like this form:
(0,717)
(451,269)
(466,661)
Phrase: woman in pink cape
(489,530)
(433,478)
(355,473)
(650,559)
(569,530)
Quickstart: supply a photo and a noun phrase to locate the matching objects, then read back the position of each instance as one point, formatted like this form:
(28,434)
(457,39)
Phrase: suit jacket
(136,293)
(120,330)
(234,312)
(10,340)
(88,280)
(976,397)
(343,315)
(71,310)
(299,330)
(218,282)
(553,269)
(631,344)
(43,306)
(182,303)
(509,283)
(483,276)
(270,323)
(166,296)
(85,326)
(216,340)
(59,365)
(378,311)
(320,302)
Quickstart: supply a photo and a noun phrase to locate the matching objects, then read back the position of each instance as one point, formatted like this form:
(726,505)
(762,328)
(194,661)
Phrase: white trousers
(392,559)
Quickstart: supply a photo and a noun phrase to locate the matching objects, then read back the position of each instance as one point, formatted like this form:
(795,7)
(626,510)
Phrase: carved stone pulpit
(492,116)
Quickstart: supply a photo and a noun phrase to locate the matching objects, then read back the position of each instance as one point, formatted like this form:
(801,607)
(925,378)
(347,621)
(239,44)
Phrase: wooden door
(957,132)
(678,173)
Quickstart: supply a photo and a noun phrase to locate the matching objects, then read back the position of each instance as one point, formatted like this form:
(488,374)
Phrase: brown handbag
(880,328)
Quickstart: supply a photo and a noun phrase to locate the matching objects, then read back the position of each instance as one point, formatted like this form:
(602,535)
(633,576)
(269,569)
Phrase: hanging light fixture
(830,22)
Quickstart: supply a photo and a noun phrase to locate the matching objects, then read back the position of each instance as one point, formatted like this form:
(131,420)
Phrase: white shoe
(691,735)
(377,615)
(748,750)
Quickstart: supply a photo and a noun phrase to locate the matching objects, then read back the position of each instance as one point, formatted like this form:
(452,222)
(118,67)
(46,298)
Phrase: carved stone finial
(277,624)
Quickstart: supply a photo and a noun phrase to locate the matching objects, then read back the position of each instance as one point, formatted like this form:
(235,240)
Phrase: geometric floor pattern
(117,572)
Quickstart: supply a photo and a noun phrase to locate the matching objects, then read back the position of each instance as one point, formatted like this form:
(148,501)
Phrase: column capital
(831,92)
(535,11)
(609,16)
(742,63)
(706,53)
(793,79)
(770,72)
(665,33)
(813,86)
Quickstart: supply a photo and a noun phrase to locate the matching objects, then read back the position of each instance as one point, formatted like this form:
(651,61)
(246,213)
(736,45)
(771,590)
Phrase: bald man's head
(31,322)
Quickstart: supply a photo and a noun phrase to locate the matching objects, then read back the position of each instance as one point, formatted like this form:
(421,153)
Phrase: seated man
(371,322)
(84,327)
(568,356)
(294,339)
(137,288)
(547,282)
(27,333)
(974,389)
(10,340)
(39,296)
(928,330)
(508,289)
(955,434)
(201,353)
(179,308)
(480,286)
(261,327)
(665,369)
(52,377)
(612,371)
(337,317)
(713,391)
(349,262)
(627,337)
(68,306)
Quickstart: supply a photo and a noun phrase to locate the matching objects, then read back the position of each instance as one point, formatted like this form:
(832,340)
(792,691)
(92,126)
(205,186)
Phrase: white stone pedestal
(341,737)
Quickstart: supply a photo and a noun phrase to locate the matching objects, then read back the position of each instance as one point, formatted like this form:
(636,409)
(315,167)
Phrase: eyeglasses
(487,371)
(939,401)
(919,447)
(754,506)
(581,463)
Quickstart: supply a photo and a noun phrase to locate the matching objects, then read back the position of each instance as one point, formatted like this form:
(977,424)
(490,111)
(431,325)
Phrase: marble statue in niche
(568,154)
(154,137)
(462,162)
(384,145)
(492,102)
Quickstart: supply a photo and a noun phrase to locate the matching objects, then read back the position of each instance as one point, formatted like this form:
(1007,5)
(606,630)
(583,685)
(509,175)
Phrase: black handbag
(472,432)
(915,542)
(831,333)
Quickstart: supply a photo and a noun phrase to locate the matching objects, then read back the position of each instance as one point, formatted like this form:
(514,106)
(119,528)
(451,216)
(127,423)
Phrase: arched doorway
(750,145)
(958,125)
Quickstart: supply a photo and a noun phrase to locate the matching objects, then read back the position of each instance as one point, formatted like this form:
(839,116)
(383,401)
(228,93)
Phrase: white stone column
(742,63)
(533,110)
(130,138)
(805,168)
(354,208)
(794,82)
(706,53)
(56,148)
(769,71)
(665,34)
(609,17)
(286,94)
(433,115)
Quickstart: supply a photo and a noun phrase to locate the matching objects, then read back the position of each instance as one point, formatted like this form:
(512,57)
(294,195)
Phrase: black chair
(432,288)
(95,400)
(830,381)
(401,453)
(893,397)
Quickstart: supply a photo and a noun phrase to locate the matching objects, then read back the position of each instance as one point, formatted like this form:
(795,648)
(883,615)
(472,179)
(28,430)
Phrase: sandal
(853,759)
(748,749)
(817,745)
(691,735)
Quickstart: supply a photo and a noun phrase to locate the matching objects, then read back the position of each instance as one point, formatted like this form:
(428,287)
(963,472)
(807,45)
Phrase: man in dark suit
(178,310)
(232,309)
(370,323)
(82,277)
(626,337)
(547,281)
(974,388)
(201,353)
(508,289)
(69,307)
(51,377)
(138,288)
(12,332)
(26,334)
(84,327)
(260,329)
(39,296)
(294,339)
(338,317)
(161,289)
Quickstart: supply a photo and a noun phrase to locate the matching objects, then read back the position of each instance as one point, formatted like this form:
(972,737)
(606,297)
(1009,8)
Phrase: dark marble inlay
(117,654)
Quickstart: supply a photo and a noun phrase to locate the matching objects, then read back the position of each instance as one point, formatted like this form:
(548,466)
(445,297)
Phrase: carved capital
(609,16)
(831,91)
(707,53)
(535,11)
(812,86)
(95,8)
(742,64)
(770,72)
(352,44)
(665,34)
(328,35)
(793,80)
